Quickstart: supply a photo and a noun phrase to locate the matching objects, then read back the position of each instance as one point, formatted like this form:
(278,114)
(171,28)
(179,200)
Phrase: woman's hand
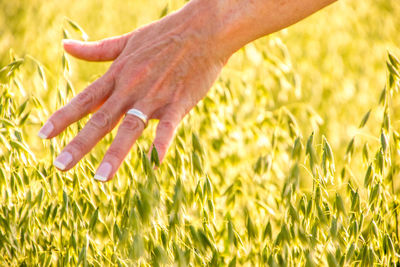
(162,69)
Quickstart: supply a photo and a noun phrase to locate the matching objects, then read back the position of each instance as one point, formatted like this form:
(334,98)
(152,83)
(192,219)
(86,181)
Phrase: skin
(162,69)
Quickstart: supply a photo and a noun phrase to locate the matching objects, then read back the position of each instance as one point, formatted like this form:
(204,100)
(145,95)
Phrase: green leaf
(154,157)
(311,153)
(379,163)
(23,119)
(368,175)
(375,193)
(65,199)
(331,260)
(164,11)
(388,245)
(42,75)
(386,121)
(382,97)
(82,256)
(232,263)
(374,229)
(350,252)
(267,231)
(328,162)
(365,119)
(392,70)
(116,233)
(196,163)
(65,63)
(394,60)
(78,29)
(297,148)
(365,152)
(22,107)
(94,219)
(196,144)
(384,141)
(251,229)
(350,148)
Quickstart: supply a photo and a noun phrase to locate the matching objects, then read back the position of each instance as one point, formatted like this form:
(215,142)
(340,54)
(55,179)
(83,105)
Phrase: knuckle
(59,115)
(77,145)
(166,126)
(130,123)
(120,63)
(114,152)
(141,74)
(116,67)
(101,121)
(176,39)
(161,145)
(83,100)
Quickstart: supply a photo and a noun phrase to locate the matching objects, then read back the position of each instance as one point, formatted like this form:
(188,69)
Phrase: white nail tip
(68,41)
(100,178)
(103,172)
(46,130)
(59,165)
(41,135)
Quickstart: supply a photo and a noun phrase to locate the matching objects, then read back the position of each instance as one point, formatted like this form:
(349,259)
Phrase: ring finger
(129,131)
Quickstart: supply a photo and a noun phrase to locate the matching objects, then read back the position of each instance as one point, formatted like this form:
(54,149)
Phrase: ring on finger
(137,113)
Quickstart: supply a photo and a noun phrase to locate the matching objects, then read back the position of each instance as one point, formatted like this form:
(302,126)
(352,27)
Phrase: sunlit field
(292,159)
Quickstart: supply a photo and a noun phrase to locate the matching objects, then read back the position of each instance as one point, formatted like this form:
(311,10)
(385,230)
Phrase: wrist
(208,24)
(231,24)
(226,25)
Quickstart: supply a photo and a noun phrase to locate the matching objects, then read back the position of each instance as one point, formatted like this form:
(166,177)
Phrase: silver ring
(139,114)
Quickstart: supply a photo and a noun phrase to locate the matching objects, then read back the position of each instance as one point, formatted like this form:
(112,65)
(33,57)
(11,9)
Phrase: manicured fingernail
(46,130)
(63,160)
(103,172)
(68,41)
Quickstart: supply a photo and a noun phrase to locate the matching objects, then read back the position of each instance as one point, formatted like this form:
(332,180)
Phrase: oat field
(292,159)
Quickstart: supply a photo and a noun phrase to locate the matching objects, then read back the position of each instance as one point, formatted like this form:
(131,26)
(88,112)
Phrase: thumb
(103,50)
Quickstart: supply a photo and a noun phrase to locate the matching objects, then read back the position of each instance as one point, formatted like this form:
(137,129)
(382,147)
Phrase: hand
(162,69)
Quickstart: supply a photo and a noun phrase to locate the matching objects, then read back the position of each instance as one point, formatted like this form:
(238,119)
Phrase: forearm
(238,22)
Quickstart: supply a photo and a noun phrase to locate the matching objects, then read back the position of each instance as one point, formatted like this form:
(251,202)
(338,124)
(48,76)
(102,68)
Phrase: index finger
(81,105)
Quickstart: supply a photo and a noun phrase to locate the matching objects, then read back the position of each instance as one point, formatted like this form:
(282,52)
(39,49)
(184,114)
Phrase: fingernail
(46,130)
(67,41)
(63,160)
(103,172)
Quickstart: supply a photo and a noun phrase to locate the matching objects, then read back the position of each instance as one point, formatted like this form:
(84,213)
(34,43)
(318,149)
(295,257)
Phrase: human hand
(162,69)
